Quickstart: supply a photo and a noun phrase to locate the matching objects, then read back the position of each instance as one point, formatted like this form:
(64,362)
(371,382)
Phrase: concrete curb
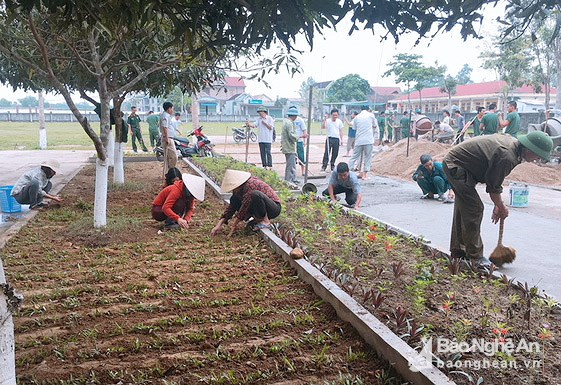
(406,360)
(28,216)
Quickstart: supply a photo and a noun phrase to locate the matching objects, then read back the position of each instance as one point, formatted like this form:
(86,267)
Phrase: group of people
(251,199)
(487,158)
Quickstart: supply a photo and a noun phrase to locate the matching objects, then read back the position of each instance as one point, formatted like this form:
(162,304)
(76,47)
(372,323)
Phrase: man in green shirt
(382,125)
(289,138)
(477,121)
(153,128)
(134,123)
(490,122)
(512,122)
(485,159)
(405,123)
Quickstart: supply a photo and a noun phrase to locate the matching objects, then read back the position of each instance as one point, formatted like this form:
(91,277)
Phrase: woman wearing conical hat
(251,198)
(175,204)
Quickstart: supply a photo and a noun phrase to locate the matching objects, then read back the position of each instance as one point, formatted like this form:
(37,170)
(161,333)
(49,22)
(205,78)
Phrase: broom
(502,254)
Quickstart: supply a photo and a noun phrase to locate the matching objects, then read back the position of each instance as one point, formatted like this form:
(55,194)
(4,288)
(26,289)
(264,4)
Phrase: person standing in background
(405,123)
(153,128)
(382,125)
(168,133)
(351,134)
(288,144)
(265,125)
(512,122)
(134,123)
(460,122)
(490,122)
(367,132)
(334,139)
(302,133)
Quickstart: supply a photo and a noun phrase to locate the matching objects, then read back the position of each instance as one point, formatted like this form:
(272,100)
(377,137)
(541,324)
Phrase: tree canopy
(349,88)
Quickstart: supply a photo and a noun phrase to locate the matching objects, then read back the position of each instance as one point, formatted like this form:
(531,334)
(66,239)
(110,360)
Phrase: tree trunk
(100,201)
(119,168)
(119,146)
(557,59)
(42,128)
(7,341)
(449,102)
(111,149)
(195,112)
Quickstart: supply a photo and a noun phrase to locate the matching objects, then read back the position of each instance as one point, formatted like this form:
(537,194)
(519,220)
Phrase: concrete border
(28,216)
(408,363)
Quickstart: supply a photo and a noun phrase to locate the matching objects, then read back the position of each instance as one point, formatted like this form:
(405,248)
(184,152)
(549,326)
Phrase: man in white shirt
(367,133)
(168,133)
(444,131)
(175,123)
(265,125)
(334,127)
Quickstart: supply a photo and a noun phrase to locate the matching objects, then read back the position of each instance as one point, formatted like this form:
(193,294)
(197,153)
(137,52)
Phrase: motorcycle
(203,144)
(239,134)
(182,146)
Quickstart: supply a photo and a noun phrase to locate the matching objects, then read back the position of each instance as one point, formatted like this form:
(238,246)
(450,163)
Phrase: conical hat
(195,185)
(233,179)
(53,165)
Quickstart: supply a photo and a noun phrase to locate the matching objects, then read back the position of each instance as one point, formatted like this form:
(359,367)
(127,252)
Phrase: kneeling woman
(251,197)
(175,203)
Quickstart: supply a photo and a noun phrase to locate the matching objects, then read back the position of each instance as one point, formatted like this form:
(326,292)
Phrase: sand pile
(393,162)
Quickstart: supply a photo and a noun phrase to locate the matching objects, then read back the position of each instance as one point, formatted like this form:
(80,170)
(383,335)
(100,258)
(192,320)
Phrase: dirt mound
(537,174)
(394,161)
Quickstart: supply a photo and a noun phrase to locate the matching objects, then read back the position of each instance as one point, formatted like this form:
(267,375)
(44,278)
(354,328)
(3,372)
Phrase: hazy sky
(335,54)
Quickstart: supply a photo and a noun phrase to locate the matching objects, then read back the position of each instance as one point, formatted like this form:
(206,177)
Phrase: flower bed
(420,293)
(130,305)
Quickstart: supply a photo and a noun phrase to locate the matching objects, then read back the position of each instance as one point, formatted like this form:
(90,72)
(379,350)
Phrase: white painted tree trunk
(100,201)
(557,61)
(42,127)
(195,112)
(111,149)
(7,341)
(119,168)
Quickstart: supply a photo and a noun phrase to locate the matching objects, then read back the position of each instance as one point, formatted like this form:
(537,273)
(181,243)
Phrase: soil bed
(419,293)
(130,305)
(394,162)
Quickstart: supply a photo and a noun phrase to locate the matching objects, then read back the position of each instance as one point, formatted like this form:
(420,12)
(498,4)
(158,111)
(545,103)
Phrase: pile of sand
(394,162)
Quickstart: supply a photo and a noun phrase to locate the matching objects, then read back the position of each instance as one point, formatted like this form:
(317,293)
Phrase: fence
(51,117)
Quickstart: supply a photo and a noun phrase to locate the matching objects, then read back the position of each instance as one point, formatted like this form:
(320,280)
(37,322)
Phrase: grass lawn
(71,136)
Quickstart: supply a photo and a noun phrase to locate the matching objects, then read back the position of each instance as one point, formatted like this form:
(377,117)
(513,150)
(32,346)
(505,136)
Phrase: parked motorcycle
(182,146)
(203,144)
(239,134)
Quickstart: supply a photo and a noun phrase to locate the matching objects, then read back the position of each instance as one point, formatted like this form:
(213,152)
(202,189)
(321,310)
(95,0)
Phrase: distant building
(381,95)
(145,103)
(212,99)
(470,96)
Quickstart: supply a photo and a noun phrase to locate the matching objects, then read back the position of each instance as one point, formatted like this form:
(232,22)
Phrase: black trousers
(331,146)
(266,157)
(350,195)
(261,205)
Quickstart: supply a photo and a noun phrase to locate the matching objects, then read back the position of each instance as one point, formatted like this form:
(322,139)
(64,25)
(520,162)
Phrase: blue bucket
(8,203)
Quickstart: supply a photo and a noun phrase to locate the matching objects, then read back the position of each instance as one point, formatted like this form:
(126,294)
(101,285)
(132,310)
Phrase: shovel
(502,254)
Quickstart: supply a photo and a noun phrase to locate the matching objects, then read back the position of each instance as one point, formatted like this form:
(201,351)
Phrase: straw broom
(502,254)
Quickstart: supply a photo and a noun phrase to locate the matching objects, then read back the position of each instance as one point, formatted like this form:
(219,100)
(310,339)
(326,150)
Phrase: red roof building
(468,97)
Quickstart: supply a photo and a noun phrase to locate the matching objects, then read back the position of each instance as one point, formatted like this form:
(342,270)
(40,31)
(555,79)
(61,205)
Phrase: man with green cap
(485,159)
(288,144)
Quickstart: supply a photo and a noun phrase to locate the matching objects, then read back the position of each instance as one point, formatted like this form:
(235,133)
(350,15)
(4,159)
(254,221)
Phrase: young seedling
(400,317)
(454,265)
(398,269)
(377,299)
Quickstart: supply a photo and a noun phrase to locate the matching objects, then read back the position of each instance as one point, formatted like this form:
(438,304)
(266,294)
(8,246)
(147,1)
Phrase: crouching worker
(251,198)
(344,181)
(175,203)
(33,186)
(431,179)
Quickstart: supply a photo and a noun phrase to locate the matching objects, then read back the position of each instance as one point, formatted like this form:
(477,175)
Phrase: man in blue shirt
(431,179)
(344,181)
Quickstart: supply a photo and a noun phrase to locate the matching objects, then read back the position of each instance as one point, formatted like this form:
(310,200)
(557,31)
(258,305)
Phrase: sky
(335,54)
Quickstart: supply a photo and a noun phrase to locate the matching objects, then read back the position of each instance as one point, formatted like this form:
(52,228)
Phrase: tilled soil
(132,305)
